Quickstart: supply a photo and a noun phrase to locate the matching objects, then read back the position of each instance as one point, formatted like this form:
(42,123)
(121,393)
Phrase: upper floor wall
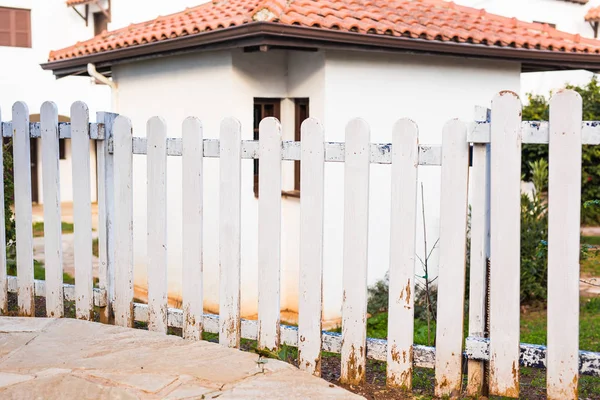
(567,15)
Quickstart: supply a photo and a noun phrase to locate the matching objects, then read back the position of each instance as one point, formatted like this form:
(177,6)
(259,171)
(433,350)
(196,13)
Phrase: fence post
(505,244)
(269,234)
(52,221)
(310,302)
(405,162)
(192,204)
(356,237)
(82,211)
(123,184)
(106,212)
(230,149)
(156,131)
(564,207)
(23,209)
(480,251)
(452,266)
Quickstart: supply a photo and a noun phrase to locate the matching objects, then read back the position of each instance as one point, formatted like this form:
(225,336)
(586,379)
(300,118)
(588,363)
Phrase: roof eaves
(274,34)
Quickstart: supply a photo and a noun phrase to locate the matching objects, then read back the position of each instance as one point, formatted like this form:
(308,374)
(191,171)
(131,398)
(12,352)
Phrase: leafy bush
(537,110)
(534,236)
(9,192)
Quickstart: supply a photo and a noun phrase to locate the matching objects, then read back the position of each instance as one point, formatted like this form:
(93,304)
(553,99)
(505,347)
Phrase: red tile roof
(431,20)
(593,15)
(71,3)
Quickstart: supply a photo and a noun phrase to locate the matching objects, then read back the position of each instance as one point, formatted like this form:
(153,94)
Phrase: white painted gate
(495,173)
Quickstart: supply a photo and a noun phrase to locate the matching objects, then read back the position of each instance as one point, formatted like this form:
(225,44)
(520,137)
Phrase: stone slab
(66,358)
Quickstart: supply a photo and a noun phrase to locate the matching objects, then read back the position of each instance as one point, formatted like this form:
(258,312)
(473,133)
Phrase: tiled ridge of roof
(593,14)
(433,20)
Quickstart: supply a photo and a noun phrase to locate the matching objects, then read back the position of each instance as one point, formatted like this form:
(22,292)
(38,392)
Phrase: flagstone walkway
(71,359)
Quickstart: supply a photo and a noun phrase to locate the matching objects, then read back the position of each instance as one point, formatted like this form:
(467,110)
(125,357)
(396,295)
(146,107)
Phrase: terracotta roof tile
(435,20)
(71,3)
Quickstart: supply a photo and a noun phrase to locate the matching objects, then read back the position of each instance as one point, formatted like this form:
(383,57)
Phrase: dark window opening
(15,27)
(100,23)
(301,114)
(62,152)
(263,108)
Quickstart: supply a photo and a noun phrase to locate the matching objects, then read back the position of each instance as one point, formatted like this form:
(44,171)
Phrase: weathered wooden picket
(496,137)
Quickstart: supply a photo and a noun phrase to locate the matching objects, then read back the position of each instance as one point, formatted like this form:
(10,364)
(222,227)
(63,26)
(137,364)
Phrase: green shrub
(9,193)
(534,236)
(537,110)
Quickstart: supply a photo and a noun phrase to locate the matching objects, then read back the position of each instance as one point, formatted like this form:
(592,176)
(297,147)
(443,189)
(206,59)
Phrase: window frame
(262,102)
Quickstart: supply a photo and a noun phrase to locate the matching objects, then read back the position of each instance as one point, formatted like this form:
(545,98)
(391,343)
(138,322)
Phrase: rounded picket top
(507,99)
(230,126)
(49,107)
(122,130)
(270,124)
(566,99)
(191,125)
(79,107)
(454,131)
(405,132)
(156,128)
(20,110)
(358,128)
(311,129)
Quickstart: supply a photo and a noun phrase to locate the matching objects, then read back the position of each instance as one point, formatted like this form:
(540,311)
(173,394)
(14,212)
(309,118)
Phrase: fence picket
(505,225)
(3,271)
(356,235)
(452,264)
(480,252)
(269,234)
(106,212)
(230,232)
(123,163)
(23,210)
(564,194)
(192,207)
(156,131)
(52,220)
(405,160)
(310,302)
(82,211)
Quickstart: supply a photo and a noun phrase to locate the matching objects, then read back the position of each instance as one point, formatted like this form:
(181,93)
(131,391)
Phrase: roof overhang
(276,35)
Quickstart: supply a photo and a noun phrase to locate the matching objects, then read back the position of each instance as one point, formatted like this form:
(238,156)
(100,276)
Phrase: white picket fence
(495,184)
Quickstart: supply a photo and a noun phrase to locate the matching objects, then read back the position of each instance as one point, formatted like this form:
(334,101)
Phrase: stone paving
(70,359)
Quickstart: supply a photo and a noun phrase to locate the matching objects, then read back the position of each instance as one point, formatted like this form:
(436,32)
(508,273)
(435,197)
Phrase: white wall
(22,78)
(177,87)
(213,86)
(381,89)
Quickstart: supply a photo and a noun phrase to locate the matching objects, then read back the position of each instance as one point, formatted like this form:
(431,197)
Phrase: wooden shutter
(15,27)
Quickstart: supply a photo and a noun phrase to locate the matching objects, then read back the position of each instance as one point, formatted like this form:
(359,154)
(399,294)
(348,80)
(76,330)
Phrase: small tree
(538,110)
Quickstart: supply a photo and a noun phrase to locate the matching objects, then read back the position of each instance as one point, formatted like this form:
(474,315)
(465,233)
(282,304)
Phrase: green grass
(534,323)
(39,272)
(38,228)
(591,240)
(590,261)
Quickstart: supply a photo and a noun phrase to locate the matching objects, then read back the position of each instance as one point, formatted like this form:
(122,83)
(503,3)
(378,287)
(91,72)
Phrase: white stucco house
(332,60)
